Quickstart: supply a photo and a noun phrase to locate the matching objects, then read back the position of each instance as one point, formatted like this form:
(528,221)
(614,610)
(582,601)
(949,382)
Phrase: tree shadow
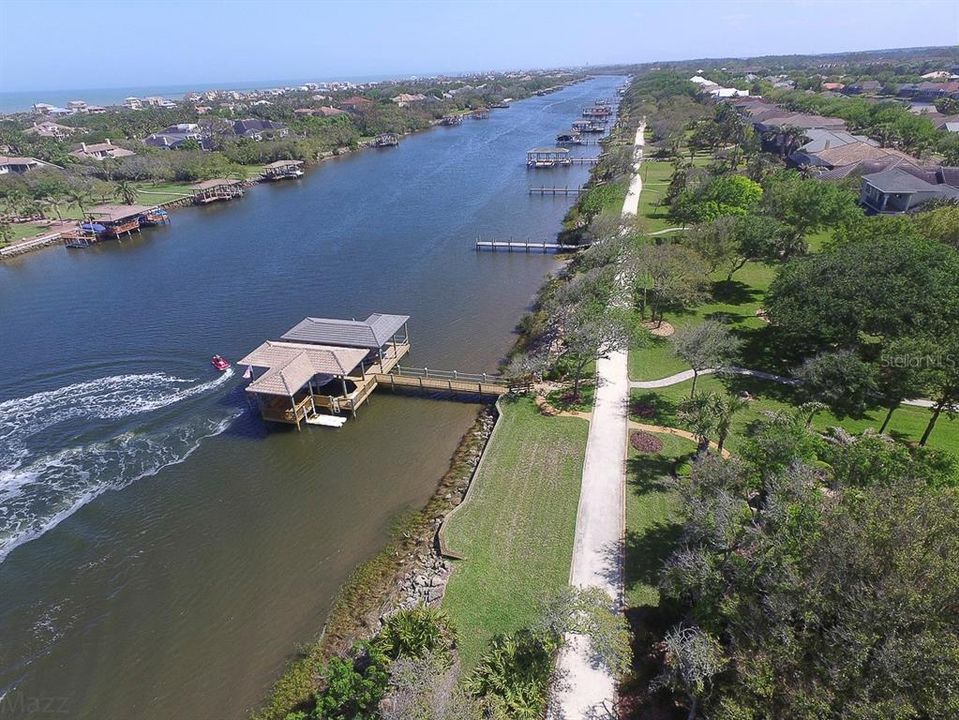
(647,552)
(758,388)
(734,292)
(652,408)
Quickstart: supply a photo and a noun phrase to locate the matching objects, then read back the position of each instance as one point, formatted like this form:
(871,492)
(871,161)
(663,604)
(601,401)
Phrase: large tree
(707,345)
(667,276)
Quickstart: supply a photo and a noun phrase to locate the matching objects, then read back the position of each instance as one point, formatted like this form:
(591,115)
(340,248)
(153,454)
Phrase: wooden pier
(555,190)
(523,246)
(448,381)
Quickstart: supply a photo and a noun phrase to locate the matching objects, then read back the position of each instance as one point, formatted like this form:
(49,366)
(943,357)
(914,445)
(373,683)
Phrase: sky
(73,44)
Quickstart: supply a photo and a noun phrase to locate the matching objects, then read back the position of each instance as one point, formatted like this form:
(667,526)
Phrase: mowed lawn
(652,508)
(733,303)
(516,529)
(907,424)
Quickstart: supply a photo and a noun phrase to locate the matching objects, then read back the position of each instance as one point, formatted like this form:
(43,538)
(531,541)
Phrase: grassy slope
(651,509)
(907,423)
(516,530)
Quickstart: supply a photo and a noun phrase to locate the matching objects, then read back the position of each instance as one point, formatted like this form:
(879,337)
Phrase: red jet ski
(219,362)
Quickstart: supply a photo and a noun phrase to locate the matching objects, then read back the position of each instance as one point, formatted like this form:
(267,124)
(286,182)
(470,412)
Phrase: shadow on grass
(734,292)
(652,408)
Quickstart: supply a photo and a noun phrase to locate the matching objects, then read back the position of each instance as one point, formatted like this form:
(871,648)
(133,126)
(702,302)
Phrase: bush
(416,633)
(645,442)
(354,687)
(514,675)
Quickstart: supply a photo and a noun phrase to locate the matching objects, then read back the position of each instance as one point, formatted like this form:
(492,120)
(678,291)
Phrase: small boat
(219,362)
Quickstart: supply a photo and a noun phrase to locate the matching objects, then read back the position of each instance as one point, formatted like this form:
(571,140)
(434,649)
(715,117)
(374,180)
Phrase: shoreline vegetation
(52,196)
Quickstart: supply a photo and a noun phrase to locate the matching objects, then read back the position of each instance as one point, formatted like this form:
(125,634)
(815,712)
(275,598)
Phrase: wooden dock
(523,246)
(584,160)
(448,381)
(554,190)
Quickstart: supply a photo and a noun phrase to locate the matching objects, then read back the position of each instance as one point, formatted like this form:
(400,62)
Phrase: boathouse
(217,189)
(282,170)
(597,111)
(323,368)
(547,157)
(589,126)
(118,220)
(385,140)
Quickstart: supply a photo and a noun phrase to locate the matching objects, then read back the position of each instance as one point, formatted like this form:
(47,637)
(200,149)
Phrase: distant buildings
(101,151)
(356,103)
(708,87)
(319,112)
(405,99)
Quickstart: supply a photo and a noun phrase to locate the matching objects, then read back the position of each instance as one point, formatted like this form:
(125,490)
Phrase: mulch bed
(645,442)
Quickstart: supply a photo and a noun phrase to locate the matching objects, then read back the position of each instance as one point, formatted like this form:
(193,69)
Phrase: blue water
(162,552)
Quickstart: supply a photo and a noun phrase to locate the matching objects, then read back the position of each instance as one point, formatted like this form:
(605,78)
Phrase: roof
(372,333)
(114,150)
(897,180)
(283,163)
(856,152)
(820,139)
(112,213)
(6,160)
(549,150)
(215,182)
(290,366)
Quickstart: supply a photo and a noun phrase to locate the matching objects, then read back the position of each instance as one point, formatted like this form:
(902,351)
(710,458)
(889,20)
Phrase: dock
(216,190)
(554,190)
(322,370)
(522,246)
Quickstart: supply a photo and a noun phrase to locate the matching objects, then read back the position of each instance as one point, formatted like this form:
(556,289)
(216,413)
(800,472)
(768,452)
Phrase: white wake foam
(38,490)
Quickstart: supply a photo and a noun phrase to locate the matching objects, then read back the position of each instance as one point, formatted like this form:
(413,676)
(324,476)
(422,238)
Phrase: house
(20,165)
(202,109)
(256,129)
(833,86)
(405,99)
(319,112)
(47,109)
(77,106)
(869,87)
(175,135)
(50,130)
(157,101)
(356,103)
(902,189)
(101,151)
(133,103)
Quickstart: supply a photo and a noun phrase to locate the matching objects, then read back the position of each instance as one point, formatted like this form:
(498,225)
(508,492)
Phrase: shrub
(646,442)
(514,675)
(415,633)
(354,687)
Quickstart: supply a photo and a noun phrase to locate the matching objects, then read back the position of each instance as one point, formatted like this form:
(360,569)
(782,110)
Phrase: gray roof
(290,366)
(374,332)
(896,180)
(820,139)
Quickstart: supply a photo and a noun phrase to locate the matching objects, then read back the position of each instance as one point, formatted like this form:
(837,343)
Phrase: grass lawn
(19,231)
(656,175)
(651,509)
(155,194)
(516,530)
(907,423)
(734,303)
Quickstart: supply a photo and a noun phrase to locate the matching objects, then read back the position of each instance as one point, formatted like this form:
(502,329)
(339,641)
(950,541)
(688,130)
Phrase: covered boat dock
(542,157)
(217,189)
(282,170)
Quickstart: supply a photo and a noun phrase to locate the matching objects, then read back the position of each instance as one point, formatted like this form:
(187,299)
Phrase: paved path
(587,689)
(762,375)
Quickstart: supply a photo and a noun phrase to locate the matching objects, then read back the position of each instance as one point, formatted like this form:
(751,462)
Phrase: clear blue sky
(67,44)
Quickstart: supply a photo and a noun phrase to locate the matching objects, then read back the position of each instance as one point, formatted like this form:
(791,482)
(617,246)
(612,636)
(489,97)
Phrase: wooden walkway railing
(450,381)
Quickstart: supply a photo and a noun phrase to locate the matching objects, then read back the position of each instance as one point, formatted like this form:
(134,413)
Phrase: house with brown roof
(319,112)
(356,103)
(101,151)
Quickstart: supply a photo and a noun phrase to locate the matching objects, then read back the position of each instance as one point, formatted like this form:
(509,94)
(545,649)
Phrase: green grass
(651,512)
(907,423)
(734,303)
(656,175)
(516,529)
(19,231)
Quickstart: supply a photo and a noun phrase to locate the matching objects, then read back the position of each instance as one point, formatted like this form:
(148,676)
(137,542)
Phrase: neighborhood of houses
(891,181)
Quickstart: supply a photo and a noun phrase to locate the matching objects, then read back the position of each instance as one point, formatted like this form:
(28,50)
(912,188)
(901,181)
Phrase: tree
(725,408)
(715,242)
(79,197)
(589,321)
(937,360)
(703,346)
(939,223)
(698,413)
(6,233)
(691,659)
(840,380)
(667,276)
(805,205)
(723,195)
(126,191)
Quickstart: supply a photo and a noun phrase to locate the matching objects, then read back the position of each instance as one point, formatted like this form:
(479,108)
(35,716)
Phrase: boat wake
(126,439)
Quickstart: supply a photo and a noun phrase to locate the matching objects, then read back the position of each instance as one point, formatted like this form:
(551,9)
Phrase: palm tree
(6,233)
(725,407)
(698,413)
(126,191)
(79,197)
(53,202)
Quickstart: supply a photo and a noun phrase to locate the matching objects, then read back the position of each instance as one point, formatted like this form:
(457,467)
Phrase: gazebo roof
(374,332)
(114,213)
(290,366)
(283,163)
(215,182)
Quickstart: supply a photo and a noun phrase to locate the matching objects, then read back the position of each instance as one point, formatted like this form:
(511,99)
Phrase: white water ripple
(39,490)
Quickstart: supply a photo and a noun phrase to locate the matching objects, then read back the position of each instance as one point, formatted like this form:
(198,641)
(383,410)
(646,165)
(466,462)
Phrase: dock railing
(451,381)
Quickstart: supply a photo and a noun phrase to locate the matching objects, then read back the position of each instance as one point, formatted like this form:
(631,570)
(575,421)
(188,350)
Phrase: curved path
(761,374)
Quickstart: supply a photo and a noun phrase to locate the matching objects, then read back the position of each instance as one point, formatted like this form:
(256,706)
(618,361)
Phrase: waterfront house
(904,188)
(101,151)
(133,103)
(406,99)
(50,130)
(543,157)
(256,129)
(215,190)
(20,165)
(282,170)
(174,136)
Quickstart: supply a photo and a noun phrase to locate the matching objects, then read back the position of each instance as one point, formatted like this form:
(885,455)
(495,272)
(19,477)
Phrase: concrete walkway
(587,689)
(761,374)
